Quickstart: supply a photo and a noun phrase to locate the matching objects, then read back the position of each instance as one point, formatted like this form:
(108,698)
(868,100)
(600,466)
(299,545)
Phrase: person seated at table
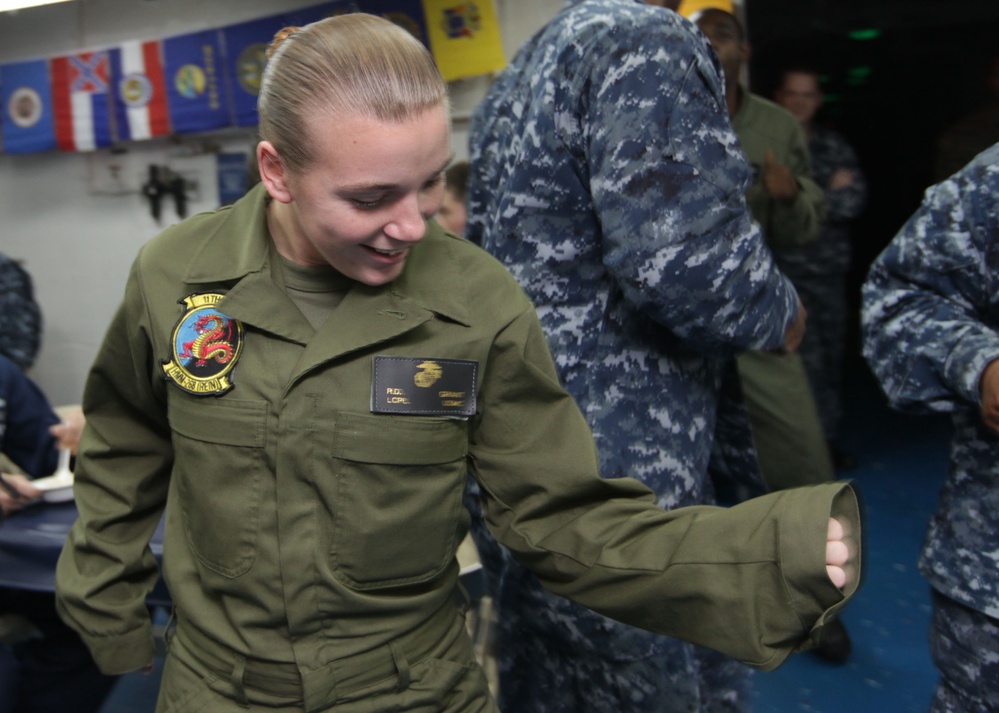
(44,665)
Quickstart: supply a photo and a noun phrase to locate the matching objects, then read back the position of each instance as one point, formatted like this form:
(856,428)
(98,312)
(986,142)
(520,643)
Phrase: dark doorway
(896,73)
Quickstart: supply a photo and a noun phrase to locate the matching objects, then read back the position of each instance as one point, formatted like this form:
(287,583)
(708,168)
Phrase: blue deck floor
(902,463)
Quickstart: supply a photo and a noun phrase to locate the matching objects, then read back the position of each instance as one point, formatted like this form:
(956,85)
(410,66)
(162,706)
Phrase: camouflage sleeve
(927,301)
(668,186)
(845,204)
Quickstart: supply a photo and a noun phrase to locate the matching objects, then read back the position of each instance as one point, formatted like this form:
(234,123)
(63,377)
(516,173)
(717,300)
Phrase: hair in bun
(279,37)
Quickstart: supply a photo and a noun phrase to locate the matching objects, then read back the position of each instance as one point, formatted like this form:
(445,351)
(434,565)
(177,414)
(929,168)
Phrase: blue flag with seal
(195,94)
(245,47)
(26,96)
(408,14)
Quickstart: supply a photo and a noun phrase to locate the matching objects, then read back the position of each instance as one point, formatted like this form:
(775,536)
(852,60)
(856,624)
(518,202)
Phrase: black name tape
(423,387)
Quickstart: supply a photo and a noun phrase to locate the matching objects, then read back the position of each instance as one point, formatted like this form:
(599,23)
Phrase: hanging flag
(245,49)
(464,37)
(234,176)
(81,101)
(408,14)
(140,96)
(246,57)
(26,98)
(194,91)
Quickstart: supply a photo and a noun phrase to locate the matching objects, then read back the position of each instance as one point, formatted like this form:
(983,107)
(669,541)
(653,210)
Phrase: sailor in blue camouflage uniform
(20,318)
(607,177)
(25,419)
(819,269)
(931,335)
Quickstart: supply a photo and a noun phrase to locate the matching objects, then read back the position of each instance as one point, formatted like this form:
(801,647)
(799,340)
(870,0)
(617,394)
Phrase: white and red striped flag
(81,101)
(140,96)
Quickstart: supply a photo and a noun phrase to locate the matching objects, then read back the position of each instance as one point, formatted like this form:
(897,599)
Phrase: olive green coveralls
(310,543)
(790,442)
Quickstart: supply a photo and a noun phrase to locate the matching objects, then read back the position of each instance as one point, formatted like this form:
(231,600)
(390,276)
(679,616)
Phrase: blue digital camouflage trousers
(965,648)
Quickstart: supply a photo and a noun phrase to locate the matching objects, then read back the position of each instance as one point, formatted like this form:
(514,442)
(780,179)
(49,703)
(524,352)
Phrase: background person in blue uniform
(44,666)
(931,335)
(606,176)
(25,420)
(20,316)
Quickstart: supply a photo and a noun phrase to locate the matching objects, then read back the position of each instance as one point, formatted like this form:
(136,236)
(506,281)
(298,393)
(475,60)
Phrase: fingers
(67,433)
(22,485)
(837,575)
(989,389)
(17,491)
(841,178)
(837,553)
(796,332)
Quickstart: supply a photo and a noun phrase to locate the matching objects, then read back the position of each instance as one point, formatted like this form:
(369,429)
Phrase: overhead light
(7,5)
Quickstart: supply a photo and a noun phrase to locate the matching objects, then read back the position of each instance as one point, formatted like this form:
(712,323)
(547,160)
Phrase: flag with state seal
(195,95)
(245,48)
(26,98)
(139,91)
(81,100)
(464,37)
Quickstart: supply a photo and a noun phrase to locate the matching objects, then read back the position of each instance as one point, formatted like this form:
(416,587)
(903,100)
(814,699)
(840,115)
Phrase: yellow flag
(464,37)
(689,7)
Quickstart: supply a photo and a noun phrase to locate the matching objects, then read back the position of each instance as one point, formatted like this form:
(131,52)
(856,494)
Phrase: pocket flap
(399,440)
(230,422)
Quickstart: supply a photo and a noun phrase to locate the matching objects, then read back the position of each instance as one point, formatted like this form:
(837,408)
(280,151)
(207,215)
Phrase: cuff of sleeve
(967,361)
(122,653)
(815,598)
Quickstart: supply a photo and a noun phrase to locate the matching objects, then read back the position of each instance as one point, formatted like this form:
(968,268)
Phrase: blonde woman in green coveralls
(304,379)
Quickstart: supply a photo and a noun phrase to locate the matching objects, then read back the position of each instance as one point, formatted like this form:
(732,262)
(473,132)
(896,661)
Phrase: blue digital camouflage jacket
(20,317)
(930,315)
(607,177)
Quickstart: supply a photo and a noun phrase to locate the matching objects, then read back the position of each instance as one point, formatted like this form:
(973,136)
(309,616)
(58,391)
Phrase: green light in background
(857,76)
(870,33)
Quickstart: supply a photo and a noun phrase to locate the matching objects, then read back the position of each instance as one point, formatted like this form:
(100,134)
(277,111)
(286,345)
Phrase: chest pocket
(398,484)
(219,452)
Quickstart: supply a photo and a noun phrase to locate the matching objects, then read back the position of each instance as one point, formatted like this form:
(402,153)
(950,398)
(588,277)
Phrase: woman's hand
(837,553)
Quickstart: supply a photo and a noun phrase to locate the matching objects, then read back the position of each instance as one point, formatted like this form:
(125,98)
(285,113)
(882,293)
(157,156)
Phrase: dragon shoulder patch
(205,345)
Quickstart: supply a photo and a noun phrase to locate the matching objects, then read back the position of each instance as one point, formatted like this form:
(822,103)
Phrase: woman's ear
(273,173)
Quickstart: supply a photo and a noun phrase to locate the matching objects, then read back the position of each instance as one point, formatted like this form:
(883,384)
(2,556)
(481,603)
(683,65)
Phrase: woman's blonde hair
(348,64)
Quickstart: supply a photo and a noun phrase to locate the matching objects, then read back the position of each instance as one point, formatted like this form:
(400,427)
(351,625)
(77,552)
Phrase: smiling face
(725,34)
(799,93)
(364,199)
